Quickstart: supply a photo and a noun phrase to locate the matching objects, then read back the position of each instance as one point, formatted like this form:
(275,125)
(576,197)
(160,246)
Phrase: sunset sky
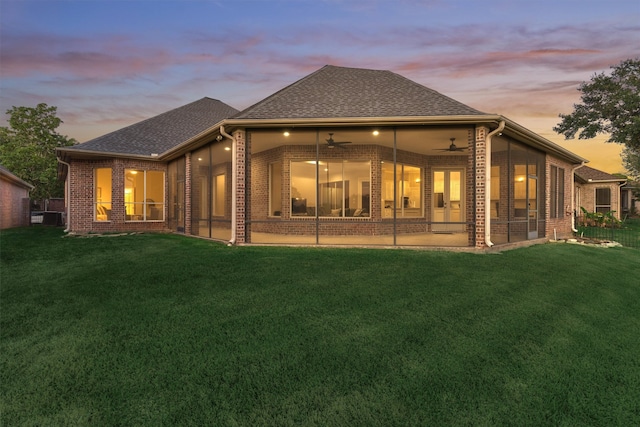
(107,64)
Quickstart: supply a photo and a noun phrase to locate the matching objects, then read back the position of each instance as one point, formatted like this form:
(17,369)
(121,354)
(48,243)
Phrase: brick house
(598,191)
(14,200)
(342,156)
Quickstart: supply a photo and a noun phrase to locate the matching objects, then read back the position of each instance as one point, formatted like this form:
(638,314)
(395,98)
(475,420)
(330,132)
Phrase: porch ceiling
(427,141)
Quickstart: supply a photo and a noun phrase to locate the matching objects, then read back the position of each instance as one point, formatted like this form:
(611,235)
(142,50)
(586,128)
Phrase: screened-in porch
(407,186)
(374,186)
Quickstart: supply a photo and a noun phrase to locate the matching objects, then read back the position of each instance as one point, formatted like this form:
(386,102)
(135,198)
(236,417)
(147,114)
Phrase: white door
(448,203)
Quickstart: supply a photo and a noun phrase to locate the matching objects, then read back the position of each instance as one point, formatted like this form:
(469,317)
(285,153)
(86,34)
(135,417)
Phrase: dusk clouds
(108,64)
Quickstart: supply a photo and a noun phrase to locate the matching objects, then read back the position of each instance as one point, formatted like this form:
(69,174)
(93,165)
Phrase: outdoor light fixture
(286,133)
(376,133)
(227,148)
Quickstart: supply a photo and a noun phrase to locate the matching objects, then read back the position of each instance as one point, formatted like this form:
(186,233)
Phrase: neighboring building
(598,191)
(342,156)
(14,200)
(630,199)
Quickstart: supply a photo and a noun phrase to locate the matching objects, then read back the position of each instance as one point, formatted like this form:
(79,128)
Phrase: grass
(167,330)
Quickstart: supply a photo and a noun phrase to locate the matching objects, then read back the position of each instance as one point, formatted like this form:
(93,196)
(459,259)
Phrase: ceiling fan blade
(331,143)
(452,147)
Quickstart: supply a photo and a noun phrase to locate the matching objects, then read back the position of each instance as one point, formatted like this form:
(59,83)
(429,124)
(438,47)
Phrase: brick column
(187,193)
(241,190)
(480,184)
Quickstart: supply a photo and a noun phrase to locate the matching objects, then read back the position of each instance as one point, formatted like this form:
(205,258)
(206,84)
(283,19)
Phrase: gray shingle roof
(586,174)
(162,132)
(334,92)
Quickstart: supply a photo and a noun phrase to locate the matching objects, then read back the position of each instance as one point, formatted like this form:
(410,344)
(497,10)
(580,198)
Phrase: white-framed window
(144,195)
(603,199)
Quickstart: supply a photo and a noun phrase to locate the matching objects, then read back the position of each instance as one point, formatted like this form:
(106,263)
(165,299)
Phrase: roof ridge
(435,92)
(274,96)
(337,91)
(155,117)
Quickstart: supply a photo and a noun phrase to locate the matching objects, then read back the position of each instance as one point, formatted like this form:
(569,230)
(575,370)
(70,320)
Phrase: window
(343,188)
(603,200)
(220,195)
(303,188)
(556,206)
(275,189)
(144,195)
(176,195)
(102,194)
(495,192)
(407,187)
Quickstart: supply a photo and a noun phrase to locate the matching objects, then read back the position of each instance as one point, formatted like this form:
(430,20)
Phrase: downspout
(573,197)
(67,191)
(620,200)
(234,184)
(487,185)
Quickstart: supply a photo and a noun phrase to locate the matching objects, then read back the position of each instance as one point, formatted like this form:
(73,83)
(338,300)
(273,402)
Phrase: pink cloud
(86,58)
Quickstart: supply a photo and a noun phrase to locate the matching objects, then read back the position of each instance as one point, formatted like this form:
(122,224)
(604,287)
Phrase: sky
(108,64)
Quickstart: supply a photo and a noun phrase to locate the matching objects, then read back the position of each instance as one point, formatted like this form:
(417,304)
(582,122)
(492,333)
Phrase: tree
(631,161)
(610,105)
(28,148)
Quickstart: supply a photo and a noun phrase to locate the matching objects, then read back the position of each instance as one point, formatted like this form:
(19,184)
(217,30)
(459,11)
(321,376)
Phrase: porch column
(187,193)
(241,189)
(480,184)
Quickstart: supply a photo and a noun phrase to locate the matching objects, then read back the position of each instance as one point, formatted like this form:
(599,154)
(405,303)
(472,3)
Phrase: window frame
(399,204)
(102,213)
(354,189)
(557,197)
(597,206)
(146,204)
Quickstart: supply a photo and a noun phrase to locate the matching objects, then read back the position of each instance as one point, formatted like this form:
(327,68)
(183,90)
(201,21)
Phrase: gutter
(234,185)
(487,184)
(67,191)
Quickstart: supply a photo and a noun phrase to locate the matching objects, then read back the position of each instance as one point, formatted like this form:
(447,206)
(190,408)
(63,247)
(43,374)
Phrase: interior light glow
(286,133)
(376,133)
(227,148)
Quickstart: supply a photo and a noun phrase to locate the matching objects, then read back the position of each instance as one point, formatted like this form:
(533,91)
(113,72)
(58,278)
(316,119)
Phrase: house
(630,198)
(342,156)
(14,200)
(598,191)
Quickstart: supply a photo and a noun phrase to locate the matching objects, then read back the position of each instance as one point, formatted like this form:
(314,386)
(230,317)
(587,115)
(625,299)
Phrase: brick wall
(588,196)
(561,225)
(14,205)
(81,199)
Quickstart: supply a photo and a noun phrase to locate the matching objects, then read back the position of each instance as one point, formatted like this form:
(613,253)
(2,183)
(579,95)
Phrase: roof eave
(358,121)
(514,129)
(16,180)
(604,181)
(190,143)
(66,154)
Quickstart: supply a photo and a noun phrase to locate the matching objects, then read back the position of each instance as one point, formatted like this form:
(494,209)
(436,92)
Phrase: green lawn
(168,330)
